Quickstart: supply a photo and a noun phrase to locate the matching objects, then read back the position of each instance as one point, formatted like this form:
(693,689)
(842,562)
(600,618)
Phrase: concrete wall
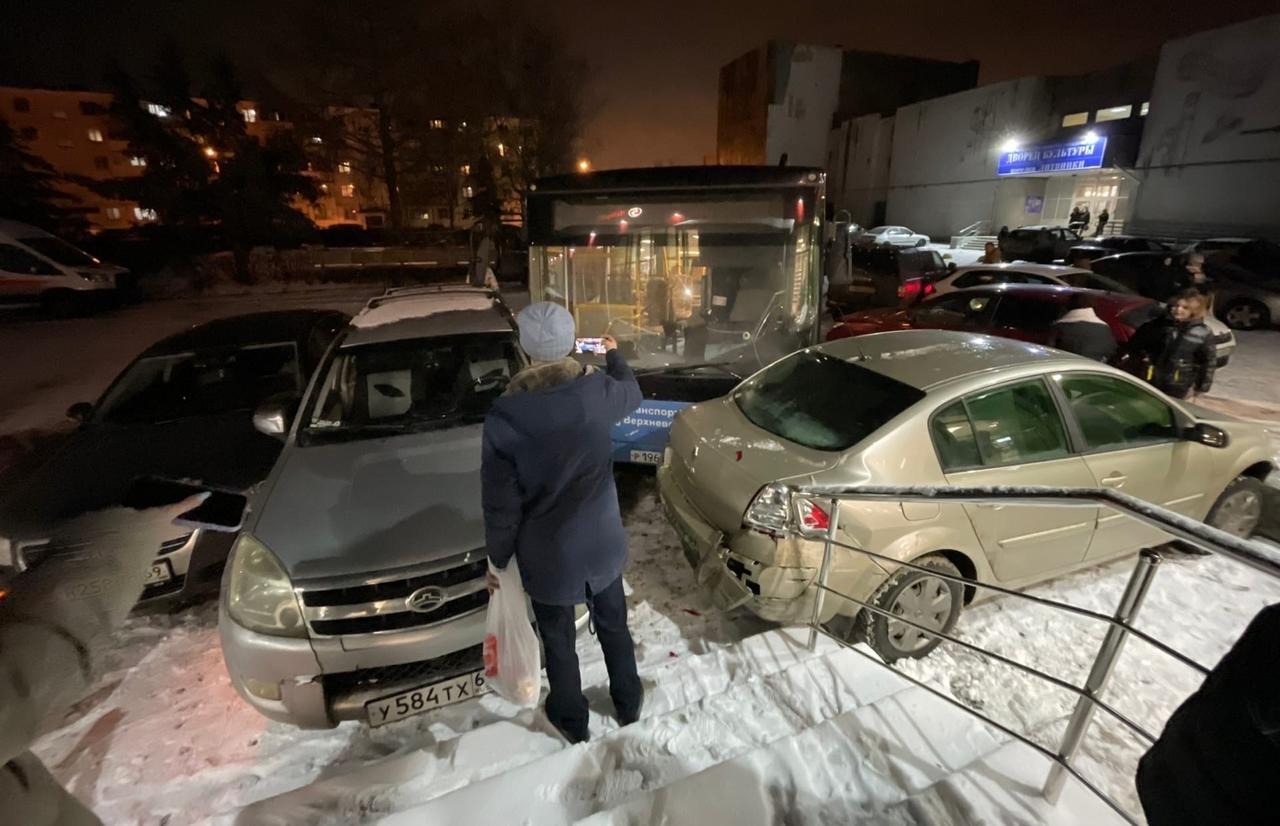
(742,109)
(945,152)
(803,99)
(1210,156)
(858,155)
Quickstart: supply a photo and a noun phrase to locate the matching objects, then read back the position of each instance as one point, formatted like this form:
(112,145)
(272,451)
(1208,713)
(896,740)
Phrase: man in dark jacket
(1219,753)
(550,501)
(1080,331)
(1180,348)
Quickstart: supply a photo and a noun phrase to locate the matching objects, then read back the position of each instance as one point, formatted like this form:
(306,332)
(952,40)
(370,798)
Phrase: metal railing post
(1103,664)
(833,524)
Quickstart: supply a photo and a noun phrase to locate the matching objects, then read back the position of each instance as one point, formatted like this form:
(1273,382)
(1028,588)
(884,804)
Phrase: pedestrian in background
(551,504)
(990,254)
(1179,348)
(1103,218)
(1080,331)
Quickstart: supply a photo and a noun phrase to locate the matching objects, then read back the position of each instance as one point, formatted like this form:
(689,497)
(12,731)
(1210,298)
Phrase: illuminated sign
(1053,157)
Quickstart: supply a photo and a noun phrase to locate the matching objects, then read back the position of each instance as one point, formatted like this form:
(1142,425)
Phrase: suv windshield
(822,402)
(187,385)
(410,385)
(59,251)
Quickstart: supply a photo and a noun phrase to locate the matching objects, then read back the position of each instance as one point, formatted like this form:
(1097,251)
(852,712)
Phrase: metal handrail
(1193,532)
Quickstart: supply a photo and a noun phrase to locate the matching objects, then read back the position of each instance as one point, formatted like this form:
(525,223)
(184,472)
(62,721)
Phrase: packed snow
(742,721)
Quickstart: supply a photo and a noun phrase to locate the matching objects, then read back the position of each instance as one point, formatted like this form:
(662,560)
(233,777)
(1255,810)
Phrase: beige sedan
(930,407)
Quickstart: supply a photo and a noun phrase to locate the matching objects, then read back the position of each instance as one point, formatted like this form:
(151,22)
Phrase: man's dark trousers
(566,705)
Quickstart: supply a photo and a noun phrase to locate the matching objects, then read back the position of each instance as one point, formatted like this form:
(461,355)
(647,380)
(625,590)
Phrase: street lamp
(209,151)
(584,165)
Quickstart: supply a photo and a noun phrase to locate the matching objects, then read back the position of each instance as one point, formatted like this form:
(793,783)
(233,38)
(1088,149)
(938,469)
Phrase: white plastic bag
(512,662)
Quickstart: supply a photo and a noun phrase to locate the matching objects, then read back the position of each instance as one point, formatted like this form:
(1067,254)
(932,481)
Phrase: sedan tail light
(813,519)
(768,510)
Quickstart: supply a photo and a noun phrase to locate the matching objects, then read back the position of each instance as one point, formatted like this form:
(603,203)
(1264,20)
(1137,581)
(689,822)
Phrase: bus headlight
(260,596)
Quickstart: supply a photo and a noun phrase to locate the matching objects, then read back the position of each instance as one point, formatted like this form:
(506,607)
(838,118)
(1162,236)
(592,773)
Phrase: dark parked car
(1112,244)
(1041,244)
(885,276)
(182,410)
(1157,275)
(1025,312)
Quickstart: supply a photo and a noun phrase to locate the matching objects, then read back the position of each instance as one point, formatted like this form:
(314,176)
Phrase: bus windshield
(686,281)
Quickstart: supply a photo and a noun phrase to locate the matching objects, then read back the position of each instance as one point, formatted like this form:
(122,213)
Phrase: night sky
(653,64)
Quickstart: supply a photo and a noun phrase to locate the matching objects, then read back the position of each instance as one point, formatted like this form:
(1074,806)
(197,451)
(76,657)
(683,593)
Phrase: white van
(39,268)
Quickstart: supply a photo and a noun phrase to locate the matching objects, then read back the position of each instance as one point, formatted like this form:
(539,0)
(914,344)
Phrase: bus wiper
(686,369)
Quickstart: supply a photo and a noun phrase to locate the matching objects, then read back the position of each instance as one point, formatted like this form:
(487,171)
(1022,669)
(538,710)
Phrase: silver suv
(356,589)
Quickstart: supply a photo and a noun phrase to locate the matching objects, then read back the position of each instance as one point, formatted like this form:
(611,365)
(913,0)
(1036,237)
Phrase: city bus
(703,275)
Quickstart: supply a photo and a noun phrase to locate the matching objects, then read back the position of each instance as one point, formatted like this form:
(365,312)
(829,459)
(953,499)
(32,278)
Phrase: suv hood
(372,505)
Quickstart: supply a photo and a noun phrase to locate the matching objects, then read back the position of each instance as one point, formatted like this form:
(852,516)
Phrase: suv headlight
(259,594)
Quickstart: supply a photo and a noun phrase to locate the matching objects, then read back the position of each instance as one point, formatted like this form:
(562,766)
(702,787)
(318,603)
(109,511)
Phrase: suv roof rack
(395,293)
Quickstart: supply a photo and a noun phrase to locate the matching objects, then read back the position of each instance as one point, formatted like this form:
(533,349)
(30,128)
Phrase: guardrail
(1120,623)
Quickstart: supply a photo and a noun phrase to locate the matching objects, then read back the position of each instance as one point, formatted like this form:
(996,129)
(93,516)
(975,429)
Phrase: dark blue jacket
(549,496)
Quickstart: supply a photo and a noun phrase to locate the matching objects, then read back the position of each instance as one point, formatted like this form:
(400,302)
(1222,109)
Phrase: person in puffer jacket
(1183,357)
(54,621)
(1080,331)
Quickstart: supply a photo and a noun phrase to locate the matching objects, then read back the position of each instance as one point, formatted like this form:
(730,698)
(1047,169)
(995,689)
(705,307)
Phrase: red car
(1021,311)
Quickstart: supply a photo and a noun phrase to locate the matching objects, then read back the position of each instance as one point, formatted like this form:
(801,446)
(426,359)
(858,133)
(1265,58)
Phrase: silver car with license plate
(356,590)
(934,408)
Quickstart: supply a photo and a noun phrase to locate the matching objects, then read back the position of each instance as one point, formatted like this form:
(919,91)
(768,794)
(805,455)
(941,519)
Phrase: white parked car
(894,236)
(1023,272)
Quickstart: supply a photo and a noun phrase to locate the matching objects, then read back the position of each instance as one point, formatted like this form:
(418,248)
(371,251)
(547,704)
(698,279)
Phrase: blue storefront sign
(642,436)
(1053,157)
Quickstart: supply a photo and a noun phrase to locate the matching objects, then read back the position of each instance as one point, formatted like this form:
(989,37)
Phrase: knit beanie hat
(546,331)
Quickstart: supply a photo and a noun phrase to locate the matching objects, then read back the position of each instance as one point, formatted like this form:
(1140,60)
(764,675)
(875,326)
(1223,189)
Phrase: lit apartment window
(1075,119)
(436,123)
(324,187)
(316,139)
(502,150)
(158,110)
(60,115)
(95,136)
(144,214)
(426,216)
(1144,108)
(101,162)
(348,190)
(465,169)
(21,105)
(250,115)
(29,133)
(1113,113)
(137,160)
(113,213)
(468,192)
(344,167)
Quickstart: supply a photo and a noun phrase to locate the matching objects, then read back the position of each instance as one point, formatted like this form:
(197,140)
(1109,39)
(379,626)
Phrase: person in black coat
(1080,331)
(1219,755)
(1181,352)
(551,506)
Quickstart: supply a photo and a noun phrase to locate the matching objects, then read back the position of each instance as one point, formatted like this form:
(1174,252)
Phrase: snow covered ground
(764,729)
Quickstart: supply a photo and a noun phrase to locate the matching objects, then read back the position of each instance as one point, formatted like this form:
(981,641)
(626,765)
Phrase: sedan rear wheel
(929,603)
(1239,509)
(1243,314)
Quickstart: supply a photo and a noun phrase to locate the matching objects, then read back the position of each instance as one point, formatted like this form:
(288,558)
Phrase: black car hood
(95,467)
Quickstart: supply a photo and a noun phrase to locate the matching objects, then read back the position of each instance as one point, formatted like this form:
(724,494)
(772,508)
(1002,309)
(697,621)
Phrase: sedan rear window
(822,402)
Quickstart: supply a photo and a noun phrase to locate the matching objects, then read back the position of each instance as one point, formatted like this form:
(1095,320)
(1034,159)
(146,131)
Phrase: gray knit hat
(546,331)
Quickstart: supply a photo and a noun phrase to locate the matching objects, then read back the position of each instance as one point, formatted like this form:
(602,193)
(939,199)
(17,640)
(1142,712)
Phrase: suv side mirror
(1206,434)
(273,415)
(80,412)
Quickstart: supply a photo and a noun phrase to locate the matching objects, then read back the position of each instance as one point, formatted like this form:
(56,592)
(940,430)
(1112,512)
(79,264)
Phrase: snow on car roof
(429,313)
(1024,266)
(927,358)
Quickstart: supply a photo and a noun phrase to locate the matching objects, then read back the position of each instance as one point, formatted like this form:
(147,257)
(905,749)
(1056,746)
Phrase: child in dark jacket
(1180,348)
(1080,331)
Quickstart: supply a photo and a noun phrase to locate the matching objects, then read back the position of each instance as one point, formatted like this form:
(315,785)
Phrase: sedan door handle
(987,507)
(1115,480)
